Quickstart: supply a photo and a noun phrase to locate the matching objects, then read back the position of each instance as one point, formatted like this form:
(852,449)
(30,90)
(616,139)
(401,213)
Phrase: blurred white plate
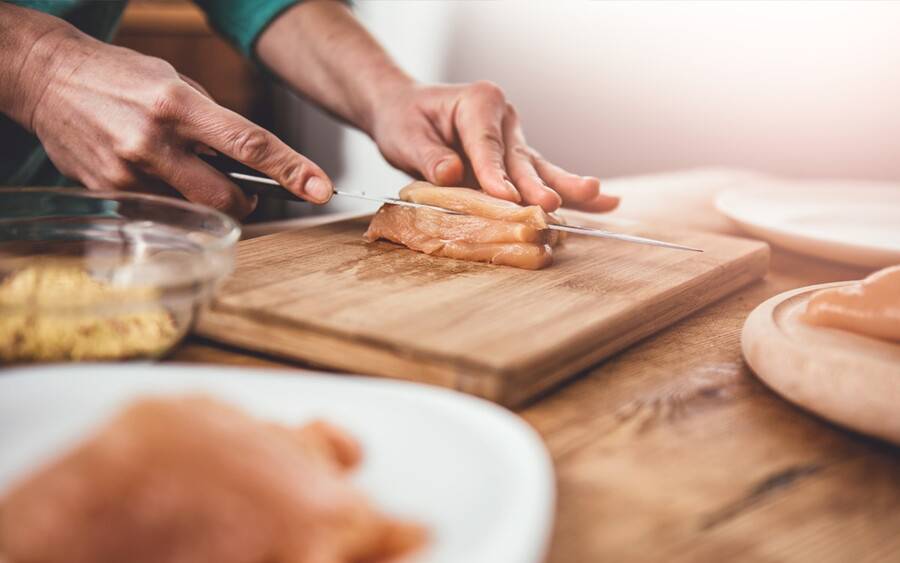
(854,223)
(475,474)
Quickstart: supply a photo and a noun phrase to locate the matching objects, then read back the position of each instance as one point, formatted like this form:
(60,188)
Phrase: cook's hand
(443,132)
(116,119)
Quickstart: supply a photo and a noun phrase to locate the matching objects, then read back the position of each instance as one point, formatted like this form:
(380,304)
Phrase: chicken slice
(463,237)
(490,230)
(194,480)
(475,202)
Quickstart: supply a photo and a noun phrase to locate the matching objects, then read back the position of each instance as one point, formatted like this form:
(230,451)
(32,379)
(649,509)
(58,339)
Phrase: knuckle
(137,148)
(222,200)
(583,192)
(293,174)
(159,66)
(434,154)
(521,151)
(491,140)
(250,145)
(488,89)
(168,99)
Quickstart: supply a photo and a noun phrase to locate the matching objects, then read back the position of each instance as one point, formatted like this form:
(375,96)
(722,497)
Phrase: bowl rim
(219,243)
(222,242)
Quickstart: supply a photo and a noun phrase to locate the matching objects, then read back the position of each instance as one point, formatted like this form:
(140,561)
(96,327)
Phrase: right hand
(116,119)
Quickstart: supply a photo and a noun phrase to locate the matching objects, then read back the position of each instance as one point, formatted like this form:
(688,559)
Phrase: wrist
(386,87)
(28,40)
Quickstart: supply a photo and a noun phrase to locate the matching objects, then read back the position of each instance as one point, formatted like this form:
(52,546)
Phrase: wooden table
(673,451)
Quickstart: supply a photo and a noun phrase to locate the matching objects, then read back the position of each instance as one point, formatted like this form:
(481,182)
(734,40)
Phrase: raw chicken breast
(870,307)
(516,241)
(192,479)
(475,202)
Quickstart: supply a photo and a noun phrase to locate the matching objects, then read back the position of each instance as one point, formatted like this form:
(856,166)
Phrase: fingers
(438,163)
(246,142)
(479,123)
(521,168)
(578,192)
(201,183)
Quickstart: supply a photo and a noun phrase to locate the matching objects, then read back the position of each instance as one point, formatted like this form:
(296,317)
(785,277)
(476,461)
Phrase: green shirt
(23,160)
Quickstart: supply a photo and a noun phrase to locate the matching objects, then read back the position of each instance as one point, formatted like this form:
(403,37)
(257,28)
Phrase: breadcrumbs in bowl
(90,276)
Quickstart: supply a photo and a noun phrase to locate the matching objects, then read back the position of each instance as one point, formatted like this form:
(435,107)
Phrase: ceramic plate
(475,474)
(854,223)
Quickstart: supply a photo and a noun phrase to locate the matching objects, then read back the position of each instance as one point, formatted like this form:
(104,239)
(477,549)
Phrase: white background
(808,89)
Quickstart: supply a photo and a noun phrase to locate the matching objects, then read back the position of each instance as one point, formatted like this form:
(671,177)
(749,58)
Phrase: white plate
(475,474)
(854,223)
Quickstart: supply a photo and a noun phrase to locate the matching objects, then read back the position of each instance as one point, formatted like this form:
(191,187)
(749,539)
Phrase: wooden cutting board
(323,296)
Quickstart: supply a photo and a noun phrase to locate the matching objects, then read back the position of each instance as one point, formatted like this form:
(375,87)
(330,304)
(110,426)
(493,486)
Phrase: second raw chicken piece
(492,230)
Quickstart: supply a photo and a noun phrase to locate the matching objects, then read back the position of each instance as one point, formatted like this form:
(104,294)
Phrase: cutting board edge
(756,264)
(229,327)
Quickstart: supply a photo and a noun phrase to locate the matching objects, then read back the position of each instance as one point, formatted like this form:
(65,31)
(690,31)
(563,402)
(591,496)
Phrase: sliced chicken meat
(476,203)
(521,239)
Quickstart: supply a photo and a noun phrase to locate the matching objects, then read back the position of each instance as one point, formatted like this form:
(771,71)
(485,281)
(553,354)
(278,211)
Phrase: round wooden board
(850,379)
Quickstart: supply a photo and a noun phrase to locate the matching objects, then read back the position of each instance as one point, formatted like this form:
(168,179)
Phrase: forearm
(322,52)
(28,41)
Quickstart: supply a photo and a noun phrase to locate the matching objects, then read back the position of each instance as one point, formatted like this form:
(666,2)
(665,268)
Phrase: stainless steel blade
(600,233)
(396,201)
(574,229)
(284,194)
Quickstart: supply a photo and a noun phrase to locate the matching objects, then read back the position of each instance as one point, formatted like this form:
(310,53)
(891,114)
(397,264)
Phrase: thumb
(435,161)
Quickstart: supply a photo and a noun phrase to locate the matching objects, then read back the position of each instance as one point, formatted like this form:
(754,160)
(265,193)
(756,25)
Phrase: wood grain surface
(672,450)
(324,296)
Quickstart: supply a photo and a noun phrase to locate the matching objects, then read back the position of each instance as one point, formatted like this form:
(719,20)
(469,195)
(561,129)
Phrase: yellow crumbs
(52,318)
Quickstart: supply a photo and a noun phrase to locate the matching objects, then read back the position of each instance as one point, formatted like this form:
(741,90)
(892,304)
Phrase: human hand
(470,134)
(112,118)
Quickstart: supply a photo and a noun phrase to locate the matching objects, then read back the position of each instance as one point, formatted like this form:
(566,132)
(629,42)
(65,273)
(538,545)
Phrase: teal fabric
(23,161)
(241,22)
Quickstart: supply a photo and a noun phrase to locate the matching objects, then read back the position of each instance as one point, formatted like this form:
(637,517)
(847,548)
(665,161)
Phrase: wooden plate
(850,379)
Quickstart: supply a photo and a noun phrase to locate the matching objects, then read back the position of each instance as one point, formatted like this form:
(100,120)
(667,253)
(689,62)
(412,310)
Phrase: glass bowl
(89,276)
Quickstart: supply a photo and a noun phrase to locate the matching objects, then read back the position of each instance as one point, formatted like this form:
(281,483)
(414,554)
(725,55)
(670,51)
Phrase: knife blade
(279,192)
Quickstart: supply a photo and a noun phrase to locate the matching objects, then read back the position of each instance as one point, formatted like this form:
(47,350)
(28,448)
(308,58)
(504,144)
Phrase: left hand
(470,134)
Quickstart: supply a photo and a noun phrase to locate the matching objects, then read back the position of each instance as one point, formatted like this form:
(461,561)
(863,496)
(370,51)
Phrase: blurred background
(611,89)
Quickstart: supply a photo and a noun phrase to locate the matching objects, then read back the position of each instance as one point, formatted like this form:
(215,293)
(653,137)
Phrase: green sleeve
(243,21)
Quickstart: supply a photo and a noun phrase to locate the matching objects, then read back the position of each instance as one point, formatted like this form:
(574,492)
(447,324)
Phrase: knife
(267,187)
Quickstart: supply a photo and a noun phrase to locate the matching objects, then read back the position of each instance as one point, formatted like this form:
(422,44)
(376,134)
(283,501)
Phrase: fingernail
(442,169)
(512,191)
(318,189)
(556,197)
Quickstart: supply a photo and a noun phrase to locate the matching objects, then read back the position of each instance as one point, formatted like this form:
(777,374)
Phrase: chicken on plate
(870,307)
(194,480)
